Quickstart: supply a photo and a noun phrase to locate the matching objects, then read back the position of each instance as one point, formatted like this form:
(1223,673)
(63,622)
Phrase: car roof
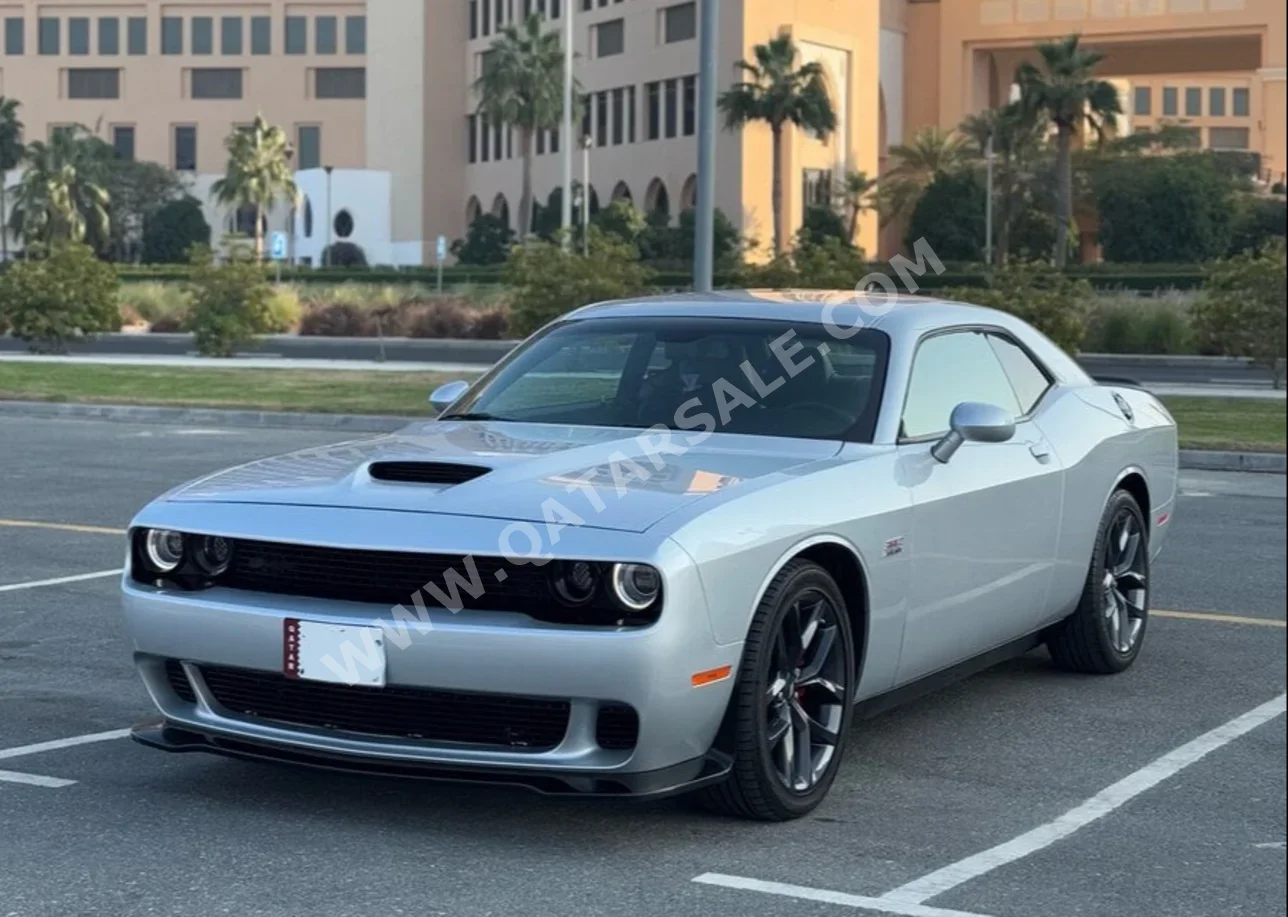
(896,314)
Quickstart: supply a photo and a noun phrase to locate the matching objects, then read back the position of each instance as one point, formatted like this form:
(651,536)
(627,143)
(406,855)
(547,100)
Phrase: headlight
(636,586)
(575,582)
(164,549)
(213,554)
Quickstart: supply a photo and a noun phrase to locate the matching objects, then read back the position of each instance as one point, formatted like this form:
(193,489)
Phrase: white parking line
(801,893)
(54,744)
(34,780)
(60,580)
(1097,807)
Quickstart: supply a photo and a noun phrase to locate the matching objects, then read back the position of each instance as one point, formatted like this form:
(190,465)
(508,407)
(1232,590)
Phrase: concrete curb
(1191,459)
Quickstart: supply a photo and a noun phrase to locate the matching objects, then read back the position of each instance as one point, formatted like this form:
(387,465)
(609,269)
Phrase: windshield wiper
(471,415)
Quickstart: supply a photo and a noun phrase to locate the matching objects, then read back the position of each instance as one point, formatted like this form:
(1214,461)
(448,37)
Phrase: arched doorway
(657,202)
(622,192)
(473,210)
(501,209)
(689,194)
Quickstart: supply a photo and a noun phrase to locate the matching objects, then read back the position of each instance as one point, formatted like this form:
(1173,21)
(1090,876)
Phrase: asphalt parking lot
(1159,793)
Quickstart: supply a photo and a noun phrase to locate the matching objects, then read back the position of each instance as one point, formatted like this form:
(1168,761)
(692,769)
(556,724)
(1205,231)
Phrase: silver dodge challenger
(667,545)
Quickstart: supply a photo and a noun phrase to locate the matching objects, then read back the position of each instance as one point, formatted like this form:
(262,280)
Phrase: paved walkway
(469,370)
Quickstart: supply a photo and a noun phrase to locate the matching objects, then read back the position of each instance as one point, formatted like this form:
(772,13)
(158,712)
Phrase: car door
(984,524)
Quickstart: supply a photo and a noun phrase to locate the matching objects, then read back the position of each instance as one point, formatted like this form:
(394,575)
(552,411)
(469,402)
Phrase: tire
(758,786)
(1105,633)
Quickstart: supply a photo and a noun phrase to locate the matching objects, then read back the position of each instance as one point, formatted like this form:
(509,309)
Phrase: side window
(947,370)
(1028,379)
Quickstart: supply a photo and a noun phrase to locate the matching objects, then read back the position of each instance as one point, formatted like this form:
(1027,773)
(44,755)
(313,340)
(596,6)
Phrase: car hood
(556,475)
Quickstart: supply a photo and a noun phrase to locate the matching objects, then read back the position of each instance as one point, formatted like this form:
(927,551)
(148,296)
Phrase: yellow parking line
(1220,619)
(59,527)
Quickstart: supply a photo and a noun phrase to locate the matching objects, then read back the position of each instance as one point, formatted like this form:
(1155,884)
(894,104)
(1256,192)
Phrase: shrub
(284,310)
(152,301)
(344,254)
(444,318)
(547,281)
(1164,208)
(820,225)
(491,323)
(1047,299)
(487,241)
(231,302)
(338,319)
(173,231)
(1130,324)
(1257,223)
(668,244)
(69,294)
(1244,309)
(169,324)
(950,216)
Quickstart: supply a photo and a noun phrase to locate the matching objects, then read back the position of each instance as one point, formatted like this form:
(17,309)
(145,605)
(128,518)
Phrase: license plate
(339,654)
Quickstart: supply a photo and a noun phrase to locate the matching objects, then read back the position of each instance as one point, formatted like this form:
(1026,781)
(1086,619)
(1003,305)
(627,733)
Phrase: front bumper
(679,778)
(650,669)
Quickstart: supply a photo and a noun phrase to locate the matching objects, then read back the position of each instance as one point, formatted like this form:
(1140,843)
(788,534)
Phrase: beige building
(380,91)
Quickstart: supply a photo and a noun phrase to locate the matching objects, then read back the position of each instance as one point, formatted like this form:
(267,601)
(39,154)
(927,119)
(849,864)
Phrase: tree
(137,192)
(1244,309)
(1064,92)
(258,175)
(855,191)
(62,196)
(522,87)
(1017,147)
(231,302)
(68,294)
(778,92)
(949,215)
(821,224)
(171,233)
(11,154)
(913,166)
(487,241)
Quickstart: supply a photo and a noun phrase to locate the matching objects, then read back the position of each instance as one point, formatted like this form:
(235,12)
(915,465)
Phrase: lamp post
(704,230)
(326,252)
(290,158)
(587,142)
(569,54)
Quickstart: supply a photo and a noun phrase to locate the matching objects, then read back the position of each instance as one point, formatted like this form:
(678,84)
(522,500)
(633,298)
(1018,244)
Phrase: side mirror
(973,422)
(447,394)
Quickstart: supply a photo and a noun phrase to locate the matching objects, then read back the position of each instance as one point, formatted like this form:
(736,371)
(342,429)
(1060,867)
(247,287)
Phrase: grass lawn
(1205,423)
(1240,424)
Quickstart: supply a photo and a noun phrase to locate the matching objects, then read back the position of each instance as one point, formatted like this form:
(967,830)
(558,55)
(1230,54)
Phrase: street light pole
(568,7)
(326,252)
(586,143)
(704,230)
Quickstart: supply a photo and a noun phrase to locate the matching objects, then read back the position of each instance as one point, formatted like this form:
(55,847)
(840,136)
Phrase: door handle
(1040,451)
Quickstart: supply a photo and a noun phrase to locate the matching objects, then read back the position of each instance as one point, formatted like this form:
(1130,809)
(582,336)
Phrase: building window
(474,19)
(15,42)
(541,142)
(690,106)
(48,36)
(1216,101)
(203,35)
(261,35)
(355,35)
(1193,102)
(93,84)
(308,146)
(654,93)
(1242,103)
(485,144)
(587,115)
(487,17)
(610,38)
(630,114)
(340,83)
(619,116)
(554,140)
(217,83)
(500,13)
(1144,101)
(672,107)
(816,189)
(171,35)
(230,36)
(1228,138)
(509,143)
(109,36)
(498,142)
(324,35)
(601,119)
(123,142)
(472,128)
(185,149)
(297,35)
(136,35)
(1170,109)
(78,36)
(680,23)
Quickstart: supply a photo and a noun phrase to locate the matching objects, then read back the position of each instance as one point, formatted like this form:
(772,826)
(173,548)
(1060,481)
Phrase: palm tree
(522,87)
(62,195)
(914,166)
(11,153)
(258,175)
(1017,143)
(1064,92)
(855,191)
(777,91)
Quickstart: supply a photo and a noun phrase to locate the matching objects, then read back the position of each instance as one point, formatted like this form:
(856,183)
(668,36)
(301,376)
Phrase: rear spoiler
(1117,380)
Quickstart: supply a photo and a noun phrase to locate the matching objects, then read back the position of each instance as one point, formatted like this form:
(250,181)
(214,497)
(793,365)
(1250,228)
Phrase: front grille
(496,720)
(617,727)
(178,679)
(425,472)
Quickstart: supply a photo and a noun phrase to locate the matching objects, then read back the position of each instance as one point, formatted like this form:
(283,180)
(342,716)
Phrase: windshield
(767,378)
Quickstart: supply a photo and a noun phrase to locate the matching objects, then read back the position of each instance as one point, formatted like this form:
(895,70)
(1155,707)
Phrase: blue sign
(279,246)
(442,249)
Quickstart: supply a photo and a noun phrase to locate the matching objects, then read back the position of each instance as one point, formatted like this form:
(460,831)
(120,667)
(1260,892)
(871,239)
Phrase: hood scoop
(440,473)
